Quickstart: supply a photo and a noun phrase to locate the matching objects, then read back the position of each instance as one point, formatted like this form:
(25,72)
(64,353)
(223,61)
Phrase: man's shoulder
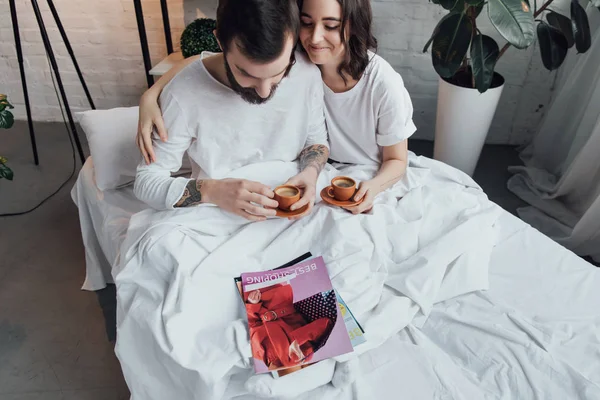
(190,85)
(303,68)
(182,78)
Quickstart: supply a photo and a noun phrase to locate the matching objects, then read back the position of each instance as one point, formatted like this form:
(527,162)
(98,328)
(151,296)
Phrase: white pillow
(111,136)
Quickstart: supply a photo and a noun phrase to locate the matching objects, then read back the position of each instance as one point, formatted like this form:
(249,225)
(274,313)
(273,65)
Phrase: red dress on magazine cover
(275,325)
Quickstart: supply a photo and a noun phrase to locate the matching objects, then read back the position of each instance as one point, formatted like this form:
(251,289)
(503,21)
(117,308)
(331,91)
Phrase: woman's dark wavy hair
(358,14)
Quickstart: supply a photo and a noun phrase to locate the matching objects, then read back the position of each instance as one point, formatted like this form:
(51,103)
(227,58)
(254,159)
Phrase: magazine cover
(355,331)
(293,316)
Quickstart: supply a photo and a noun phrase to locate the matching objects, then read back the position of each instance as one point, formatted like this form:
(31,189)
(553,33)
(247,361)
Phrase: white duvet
(182,333)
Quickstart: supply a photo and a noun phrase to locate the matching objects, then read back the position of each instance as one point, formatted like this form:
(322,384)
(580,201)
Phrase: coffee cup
(342,188)
(286,195)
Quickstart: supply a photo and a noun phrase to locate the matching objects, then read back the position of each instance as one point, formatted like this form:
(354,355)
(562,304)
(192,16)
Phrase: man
(256,101)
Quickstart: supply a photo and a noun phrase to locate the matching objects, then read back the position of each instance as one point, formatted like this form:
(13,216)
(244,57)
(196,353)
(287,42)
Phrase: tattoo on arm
(191,195)
(314,156)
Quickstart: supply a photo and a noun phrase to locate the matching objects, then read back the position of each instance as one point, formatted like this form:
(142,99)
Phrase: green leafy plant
(6,121)
(198,37)
(464,56)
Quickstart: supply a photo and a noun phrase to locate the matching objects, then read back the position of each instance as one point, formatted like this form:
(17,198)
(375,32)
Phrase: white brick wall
(104,37)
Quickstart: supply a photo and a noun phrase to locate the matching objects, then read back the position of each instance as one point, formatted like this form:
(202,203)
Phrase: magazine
(294,316)
(355,330)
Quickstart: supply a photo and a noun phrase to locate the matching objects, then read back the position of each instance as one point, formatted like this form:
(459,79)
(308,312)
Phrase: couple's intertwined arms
(314,156)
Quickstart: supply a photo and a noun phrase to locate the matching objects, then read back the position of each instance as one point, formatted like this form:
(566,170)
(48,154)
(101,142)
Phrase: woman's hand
(149,116)
(367,190)
(393,168)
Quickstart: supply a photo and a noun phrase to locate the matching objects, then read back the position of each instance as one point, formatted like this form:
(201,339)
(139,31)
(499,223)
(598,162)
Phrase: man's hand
(312,160)
(307,182)
(238,196)
(369,190)
(241,197)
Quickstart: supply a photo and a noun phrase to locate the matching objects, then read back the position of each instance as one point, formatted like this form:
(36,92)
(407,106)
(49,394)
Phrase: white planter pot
(463,119)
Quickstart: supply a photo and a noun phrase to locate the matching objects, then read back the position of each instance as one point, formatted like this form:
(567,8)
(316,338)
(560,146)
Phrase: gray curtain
(561,176)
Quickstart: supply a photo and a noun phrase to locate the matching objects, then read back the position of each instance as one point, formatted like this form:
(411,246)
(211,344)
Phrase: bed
(104,217)
(532,334)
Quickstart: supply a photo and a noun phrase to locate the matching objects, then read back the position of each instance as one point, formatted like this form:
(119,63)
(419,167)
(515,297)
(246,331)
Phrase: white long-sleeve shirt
(221,132)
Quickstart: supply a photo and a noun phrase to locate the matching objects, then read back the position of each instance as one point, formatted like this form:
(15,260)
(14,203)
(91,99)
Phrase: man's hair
(358,16)
(260,28)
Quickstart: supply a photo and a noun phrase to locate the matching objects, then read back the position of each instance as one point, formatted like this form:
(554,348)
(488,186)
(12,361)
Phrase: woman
(368,110)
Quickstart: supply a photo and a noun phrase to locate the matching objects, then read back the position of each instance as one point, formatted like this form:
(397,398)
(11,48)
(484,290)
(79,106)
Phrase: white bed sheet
(534,332)
(538,322)
(104,217)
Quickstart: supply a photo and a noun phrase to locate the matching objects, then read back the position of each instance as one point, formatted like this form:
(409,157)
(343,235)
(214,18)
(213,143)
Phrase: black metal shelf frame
(139,15)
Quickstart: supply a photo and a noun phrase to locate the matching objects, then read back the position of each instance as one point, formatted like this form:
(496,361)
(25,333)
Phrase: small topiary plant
(6,122)
(198,37)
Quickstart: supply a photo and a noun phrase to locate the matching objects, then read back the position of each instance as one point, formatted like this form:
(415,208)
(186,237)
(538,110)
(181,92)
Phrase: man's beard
(248,94)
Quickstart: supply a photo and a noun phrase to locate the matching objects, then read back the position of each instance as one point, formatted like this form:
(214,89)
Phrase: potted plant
(198,37)
(6,121)
(465,59)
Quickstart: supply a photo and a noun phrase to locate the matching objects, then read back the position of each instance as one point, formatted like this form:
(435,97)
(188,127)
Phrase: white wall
(104,36)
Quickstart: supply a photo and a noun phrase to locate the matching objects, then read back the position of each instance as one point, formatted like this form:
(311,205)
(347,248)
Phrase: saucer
(289,214)
(331,200)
